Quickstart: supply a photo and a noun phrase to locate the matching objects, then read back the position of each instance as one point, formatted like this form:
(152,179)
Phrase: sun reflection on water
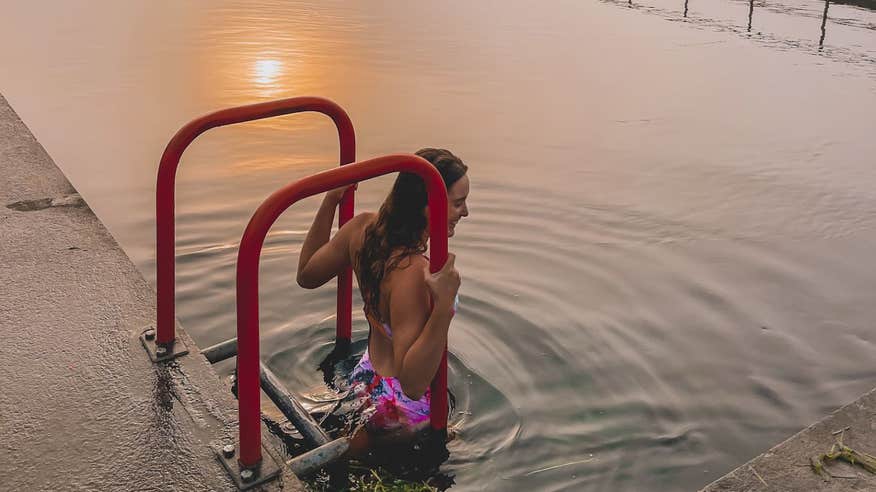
(266,73)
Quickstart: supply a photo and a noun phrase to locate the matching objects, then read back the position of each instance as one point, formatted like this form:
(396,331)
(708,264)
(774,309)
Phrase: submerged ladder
(244,460)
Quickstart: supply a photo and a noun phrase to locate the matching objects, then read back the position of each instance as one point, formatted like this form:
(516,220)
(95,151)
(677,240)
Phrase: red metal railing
(164,198)
(249,403)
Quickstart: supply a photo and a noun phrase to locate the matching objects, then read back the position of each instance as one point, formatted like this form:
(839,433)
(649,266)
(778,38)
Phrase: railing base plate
(265,471)
(172,351)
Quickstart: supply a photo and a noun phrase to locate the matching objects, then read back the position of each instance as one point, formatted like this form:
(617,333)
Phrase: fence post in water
(164,197)
(248,256)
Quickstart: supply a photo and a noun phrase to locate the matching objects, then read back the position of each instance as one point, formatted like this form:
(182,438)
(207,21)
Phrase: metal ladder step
(313,434)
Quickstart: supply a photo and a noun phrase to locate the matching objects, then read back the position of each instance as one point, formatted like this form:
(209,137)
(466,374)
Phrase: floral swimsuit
(388,406)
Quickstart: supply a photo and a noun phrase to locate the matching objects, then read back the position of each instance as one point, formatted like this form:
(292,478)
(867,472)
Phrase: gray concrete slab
(81,405)
(786,467)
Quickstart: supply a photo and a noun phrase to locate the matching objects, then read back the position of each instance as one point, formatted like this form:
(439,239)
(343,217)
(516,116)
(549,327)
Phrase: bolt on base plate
(247,478)
(161,353)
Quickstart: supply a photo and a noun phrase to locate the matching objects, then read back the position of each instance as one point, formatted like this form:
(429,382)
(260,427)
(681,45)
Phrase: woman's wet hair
(400,226)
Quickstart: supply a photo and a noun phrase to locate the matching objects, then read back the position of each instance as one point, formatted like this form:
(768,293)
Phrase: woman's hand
(444,284)
(334,196)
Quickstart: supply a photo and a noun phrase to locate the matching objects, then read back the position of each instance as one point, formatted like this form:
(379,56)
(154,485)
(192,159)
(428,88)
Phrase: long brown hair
(398,231)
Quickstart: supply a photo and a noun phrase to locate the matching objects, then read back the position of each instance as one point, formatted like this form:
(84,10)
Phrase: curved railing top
(251,112)
(248,274)
(164,192)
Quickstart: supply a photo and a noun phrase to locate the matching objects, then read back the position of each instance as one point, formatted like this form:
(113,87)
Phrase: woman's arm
(322,259)
(420,335)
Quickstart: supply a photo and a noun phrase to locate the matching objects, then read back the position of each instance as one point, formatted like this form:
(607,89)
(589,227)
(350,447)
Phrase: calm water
(669,262)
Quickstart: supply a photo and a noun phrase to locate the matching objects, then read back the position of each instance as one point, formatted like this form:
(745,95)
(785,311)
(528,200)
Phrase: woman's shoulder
(363,219)
(409,278)
(408,264)
(357,226)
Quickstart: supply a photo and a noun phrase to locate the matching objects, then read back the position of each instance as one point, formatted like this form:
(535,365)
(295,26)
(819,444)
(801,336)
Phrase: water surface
(668,266)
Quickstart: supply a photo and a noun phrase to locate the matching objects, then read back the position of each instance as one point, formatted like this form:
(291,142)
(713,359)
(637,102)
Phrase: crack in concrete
(71,200)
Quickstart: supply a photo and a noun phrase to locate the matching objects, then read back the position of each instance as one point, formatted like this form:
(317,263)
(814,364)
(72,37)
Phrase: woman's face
(456,203)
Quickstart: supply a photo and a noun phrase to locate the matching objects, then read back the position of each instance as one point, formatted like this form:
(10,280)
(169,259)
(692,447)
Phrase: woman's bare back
(380,336)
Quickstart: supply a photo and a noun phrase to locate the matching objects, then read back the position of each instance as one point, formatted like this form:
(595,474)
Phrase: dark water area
(668,264)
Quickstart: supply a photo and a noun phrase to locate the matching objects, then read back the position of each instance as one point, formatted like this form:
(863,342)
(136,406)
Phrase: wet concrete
(81,405)
(786,467)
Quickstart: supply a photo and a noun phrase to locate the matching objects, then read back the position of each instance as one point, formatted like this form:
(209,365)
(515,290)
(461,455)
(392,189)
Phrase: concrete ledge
(786,466)
(81,405)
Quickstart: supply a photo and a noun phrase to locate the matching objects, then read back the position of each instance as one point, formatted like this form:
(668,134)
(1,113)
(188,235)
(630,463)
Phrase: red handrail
(164,198)
(249,403)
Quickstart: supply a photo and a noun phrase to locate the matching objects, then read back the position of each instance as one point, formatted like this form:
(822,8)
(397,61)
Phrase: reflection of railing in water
(751,16)
(855,53)
(864,4)
(823,24)
(750,13)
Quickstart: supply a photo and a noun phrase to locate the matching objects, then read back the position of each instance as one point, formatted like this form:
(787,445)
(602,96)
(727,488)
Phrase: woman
(406,338)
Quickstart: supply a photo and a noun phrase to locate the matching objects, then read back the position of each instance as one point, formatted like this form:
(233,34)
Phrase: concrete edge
(205,406)
(786,466)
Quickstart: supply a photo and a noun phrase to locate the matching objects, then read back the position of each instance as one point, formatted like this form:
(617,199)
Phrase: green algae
(840,451)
